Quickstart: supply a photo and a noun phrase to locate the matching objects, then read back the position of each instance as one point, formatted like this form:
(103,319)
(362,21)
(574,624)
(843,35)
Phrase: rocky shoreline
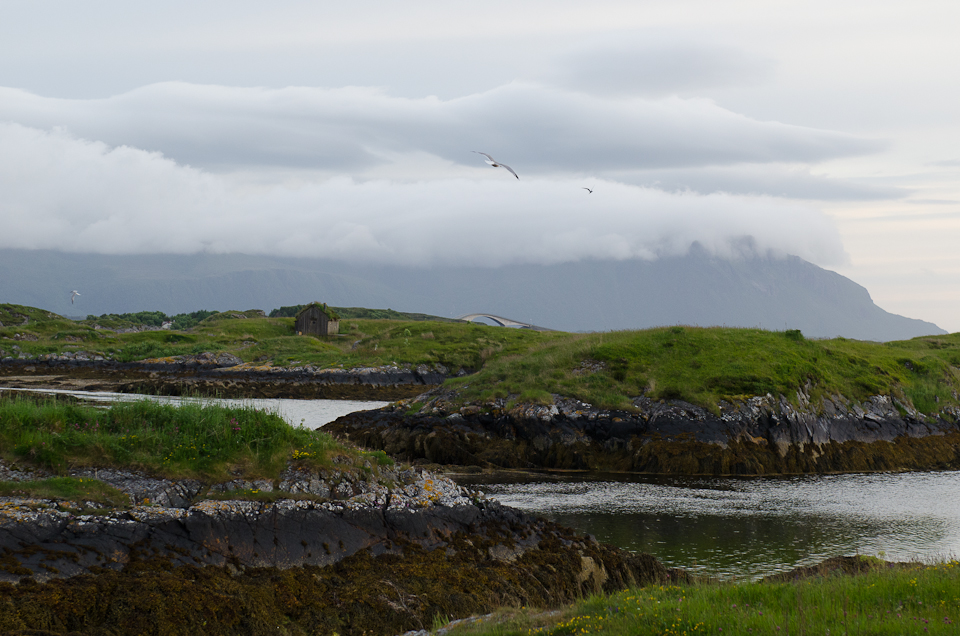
(337,552)
(221,375)
(760,435)
(179,520)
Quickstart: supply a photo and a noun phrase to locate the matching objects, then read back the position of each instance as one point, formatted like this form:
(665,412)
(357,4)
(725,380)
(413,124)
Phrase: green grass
(73,489)
(706,365)
(257,339)
(211,443)
(699,365)
(366,342)
(922,599)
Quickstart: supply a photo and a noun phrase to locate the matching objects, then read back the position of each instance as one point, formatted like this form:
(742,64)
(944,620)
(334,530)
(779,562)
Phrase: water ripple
(733,527)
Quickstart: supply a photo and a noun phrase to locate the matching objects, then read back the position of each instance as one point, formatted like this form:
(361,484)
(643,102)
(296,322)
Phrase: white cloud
(542,130)
(596,75)
(69,194)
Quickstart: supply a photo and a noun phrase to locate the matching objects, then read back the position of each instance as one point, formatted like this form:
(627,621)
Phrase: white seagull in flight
(587,189)
(496,164)
(73,295)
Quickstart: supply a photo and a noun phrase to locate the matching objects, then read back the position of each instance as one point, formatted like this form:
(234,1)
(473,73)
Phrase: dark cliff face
(763,435)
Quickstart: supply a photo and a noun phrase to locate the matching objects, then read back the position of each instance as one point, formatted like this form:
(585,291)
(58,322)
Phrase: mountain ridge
(775,293)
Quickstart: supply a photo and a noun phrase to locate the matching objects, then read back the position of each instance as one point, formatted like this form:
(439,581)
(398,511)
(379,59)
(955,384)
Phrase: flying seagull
(587,189)
(73,295)
(496,164)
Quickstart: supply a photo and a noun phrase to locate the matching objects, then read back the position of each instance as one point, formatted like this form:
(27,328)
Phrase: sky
(826,130)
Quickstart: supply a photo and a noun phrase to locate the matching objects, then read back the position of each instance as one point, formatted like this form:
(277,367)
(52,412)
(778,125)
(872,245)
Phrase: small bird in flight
(587,189)
(73,295)
(496,164)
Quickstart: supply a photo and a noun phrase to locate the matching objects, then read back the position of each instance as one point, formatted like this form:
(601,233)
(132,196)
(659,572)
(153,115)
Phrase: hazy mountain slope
(774,293)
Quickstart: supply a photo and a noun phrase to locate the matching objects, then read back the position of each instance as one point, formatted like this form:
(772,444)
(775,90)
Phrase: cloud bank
(542,130)
(65,193)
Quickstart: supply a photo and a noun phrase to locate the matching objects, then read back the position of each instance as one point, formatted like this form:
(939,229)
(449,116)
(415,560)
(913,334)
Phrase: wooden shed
(317,320)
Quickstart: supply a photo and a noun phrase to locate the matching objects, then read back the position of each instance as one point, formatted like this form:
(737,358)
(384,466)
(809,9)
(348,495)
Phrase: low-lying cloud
(70,194)
(538,129)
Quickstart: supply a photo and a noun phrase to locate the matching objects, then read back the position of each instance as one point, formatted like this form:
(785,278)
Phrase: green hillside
(255,338)
(699,365)
(705,365)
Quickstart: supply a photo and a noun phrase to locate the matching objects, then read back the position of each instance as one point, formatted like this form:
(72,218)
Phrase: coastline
(335,553)
(358,556)
(762,435)
(220,376)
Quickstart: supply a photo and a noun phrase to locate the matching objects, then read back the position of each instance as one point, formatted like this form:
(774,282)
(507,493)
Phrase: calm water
(307,413)
(736,528)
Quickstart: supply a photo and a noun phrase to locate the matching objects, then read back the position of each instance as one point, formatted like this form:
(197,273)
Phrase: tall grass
(192,440)
(921,599)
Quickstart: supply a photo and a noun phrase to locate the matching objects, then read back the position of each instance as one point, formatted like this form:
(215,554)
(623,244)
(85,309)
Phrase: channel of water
(750,527)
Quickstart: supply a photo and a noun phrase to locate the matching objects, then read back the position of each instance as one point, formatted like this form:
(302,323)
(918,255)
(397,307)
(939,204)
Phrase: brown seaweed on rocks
(360,594)
(383,561)
(763,435)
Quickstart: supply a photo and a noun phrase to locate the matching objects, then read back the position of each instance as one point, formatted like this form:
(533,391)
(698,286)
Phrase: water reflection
(751,527)
(307,413)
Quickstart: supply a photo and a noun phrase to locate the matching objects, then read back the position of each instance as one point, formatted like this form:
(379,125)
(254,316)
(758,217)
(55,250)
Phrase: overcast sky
(822,129)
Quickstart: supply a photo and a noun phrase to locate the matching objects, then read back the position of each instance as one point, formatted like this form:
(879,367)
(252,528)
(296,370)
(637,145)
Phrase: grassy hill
(699,365)
(705,365)
(255,338)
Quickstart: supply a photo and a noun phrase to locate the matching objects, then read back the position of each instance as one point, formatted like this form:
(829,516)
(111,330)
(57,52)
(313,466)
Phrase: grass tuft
(919,599)
(79,490)
(207,442)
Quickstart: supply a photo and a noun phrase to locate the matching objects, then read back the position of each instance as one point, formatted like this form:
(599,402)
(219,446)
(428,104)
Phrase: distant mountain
(696,289)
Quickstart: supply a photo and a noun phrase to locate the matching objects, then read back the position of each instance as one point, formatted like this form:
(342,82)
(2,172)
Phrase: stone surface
(345,513)
(763,434)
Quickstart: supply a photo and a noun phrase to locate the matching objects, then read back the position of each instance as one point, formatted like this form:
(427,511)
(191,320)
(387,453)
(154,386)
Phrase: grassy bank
(699,365)
(705,365)
(882,599)
(206,442)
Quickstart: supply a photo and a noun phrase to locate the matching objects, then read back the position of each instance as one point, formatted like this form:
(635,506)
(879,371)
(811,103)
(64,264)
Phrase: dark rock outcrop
(221,375)
(761,435)
(384,561)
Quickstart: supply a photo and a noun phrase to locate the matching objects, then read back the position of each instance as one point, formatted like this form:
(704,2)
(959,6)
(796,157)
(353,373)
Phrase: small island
(146,517)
